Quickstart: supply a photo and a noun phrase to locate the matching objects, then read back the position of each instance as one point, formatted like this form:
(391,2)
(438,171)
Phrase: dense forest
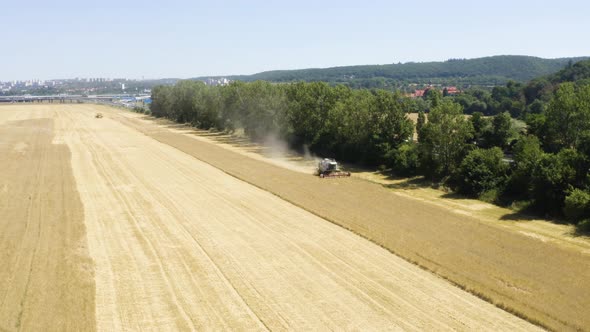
(524,145)
(495,70)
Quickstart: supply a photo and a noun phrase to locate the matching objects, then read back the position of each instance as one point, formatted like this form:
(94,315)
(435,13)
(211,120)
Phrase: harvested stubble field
(105,228)
(544,281)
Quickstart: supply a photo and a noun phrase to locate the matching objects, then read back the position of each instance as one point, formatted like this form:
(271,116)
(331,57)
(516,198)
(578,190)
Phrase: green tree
(405,161)
(207,108)
(261,108)
(568,117)
(231,106)
(481,127)
(536,107)
(185,100)
(309,106)
(444,139)
(420,123)
(388,125)
(482,170)
(433,96)
(537,89)
(536,125)
(501,130)
(527,153)
(553,177)
(577,205)
(349,128)
(161,101)
(477,106)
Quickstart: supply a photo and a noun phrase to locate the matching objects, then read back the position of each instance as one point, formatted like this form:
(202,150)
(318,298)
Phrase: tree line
(360,126)
(495,70)
(540,161)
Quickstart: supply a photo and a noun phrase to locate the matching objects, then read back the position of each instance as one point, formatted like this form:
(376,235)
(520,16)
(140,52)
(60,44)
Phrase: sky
(183,39)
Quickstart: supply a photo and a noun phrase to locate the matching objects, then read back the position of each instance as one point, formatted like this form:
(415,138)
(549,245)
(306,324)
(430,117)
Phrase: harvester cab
(329,168)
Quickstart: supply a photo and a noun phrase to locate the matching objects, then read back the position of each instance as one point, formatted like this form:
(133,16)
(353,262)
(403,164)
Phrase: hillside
(492,70)
(574,73)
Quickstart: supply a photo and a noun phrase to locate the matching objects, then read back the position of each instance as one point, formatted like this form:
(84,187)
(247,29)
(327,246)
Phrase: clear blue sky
(106,38)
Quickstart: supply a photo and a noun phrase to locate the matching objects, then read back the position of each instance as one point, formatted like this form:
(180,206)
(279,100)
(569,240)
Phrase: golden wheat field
(121,223)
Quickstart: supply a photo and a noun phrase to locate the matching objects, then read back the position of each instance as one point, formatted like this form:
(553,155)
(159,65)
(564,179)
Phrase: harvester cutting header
(329,168)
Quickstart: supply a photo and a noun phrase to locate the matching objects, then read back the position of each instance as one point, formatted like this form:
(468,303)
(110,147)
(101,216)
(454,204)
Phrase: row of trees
(355,125)
(544,164)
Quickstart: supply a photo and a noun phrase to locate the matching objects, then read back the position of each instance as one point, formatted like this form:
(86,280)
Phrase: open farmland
(118,224)
(527,270)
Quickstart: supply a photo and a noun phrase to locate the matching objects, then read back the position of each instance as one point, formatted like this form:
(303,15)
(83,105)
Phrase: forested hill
(576,72)
(492,70)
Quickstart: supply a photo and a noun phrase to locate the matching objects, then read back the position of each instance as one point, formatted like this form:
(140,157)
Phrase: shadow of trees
(523,214)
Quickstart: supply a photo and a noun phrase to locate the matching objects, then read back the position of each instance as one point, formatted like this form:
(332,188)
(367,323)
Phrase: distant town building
(451,91)
(447,91)
(217,81)
(418,93)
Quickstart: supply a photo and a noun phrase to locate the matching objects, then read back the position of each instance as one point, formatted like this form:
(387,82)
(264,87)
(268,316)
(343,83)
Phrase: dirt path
(526,274)
(179,244)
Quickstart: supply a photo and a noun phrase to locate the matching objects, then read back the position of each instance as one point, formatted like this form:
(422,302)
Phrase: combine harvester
(329,168)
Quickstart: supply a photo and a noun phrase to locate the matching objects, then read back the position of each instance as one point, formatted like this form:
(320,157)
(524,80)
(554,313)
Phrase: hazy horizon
(275,69)
(67,39)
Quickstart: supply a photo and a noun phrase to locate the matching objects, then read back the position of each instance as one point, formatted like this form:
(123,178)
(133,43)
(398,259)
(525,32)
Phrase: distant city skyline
(183,39)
